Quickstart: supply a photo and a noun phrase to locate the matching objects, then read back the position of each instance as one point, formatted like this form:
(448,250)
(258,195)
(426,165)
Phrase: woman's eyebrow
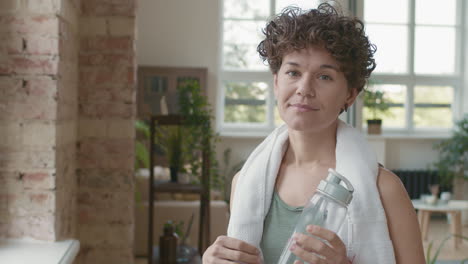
(323,66)
(329,66)
(292,63)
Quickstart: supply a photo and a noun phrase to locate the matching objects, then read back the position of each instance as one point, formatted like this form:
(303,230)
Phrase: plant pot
(374,126)
(174,173)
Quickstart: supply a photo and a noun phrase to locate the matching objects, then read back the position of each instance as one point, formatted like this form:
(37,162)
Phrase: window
(246,100)
(419,56)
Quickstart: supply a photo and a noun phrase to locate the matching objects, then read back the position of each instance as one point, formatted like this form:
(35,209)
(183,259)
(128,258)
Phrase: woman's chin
(308,124)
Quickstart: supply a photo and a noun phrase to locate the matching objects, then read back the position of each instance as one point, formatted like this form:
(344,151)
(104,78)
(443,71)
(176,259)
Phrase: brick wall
(107,69)
(37,174)
(67,118)
(67,107)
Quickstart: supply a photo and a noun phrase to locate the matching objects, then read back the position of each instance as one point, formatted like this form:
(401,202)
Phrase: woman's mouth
(304,107)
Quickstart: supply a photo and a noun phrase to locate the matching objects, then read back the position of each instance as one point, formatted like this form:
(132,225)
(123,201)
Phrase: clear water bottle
(327,208)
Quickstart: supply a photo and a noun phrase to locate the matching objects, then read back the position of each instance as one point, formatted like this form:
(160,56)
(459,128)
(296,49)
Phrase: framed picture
(157,88)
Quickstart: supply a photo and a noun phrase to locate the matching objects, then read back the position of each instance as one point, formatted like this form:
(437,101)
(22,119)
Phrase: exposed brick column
(107,65)
(34,173)
(67,118)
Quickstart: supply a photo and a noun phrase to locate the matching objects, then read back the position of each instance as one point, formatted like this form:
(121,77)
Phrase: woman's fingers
(237,244)
(321,246)
(240,256)
(227,250)
(306,255)
(330,236)
(313,244)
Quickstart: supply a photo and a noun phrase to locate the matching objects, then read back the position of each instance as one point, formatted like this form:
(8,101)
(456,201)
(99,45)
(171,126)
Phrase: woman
(320,61)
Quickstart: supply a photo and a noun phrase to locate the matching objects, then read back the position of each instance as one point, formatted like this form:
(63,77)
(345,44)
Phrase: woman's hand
(227,250)
(307,248)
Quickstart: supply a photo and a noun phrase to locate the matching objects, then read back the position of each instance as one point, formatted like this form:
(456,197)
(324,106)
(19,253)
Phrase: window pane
(392,47)
(240,45)
(433,13)
(432,117)
(245,102)
(434,50)
(246,9)
(433,106)
(278,120)
(385,11)
(242,57)
(395,95)
(433,94)
(304,4)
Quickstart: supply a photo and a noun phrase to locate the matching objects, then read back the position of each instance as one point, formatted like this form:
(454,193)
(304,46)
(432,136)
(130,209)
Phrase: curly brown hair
(344,37)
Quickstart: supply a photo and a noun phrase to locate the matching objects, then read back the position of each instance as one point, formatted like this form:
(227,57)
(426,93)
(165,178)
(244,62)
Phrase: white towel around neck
(365,232)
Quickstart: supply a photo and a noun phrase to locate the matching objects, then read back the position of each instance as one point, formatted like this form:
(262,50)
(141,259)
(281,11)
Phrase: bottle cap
(332,187)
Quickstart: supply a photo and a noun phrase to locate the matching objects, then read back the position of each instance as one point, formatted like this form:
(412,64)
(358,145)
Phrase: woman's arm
(401,219)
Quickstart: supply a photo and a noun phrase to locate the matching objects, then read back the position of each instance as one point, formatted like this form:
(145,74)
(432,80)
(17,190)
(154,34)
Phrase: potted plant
(199,134)
(169,140)
(183,145)
(173,149)
(375,101)
(453,157)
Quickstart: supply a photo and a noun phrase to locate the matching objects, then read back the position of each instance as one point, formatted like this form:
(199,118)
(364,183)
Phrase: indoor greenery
(432,259)
(175,141)
(197,114)
(176,226)
(376,102)
(183,145)
(453,154)
(141,149)
(170,140)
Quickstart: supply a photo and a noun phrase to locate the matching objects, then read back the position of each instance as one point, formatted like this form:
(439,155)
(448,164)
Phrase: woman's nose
(306,87)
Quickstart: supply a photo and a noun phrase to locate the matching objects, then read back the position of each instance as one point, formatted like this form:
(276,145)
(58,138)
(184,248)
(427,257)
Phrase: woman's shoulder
(392,191)
(389,183)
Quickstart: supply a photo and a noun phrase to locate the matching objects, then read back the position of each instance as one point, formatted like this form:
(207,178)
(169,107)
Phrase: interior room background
(188,34)
(67,86)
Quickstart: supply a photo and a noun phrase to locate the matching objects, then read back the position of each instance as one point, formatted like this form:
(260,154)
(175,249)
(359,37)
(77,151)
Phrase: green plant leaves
(197,113)
(376,102)
(453,154)
(433,259)
(142,156)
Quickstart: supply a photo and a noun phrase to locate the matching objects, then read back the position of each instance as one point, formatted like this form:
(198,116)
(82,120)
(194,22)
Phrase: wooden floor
(438,231)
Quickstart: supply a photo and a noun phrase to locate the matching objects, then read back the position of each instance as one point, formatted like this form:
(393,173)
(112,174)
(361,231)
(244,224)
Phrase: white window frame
(410,79)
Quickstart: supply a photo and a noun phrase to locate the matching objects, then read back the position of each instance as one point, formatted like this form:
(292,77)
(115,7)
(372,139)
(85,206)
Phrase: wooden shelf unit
(172,187)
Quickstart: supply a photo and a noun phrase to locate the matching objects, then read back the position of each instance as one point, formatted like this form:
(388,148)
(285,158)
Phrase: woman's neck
(309,148)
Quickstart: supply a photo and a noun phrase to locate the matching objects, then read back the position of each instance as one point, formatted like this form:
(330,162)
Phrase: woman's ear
(352,95)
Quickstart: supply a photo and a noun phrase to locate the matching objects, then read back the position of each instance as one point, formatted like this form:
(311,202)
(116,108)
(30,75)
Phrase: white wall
(180,33)
(186,33)
(409,153)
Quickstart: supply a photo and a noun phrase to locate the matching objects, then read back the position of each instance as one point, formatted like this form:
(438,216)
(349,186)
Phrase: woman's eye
(292,73)
(325,77)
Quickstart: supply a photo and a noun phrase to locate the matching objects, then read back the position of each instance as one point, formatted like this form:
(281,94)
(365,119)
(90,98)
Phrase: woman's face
(311,90)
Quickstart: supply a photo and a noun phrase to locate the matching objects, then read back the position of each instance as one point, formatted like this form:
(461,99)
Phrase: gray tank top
(277,228)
